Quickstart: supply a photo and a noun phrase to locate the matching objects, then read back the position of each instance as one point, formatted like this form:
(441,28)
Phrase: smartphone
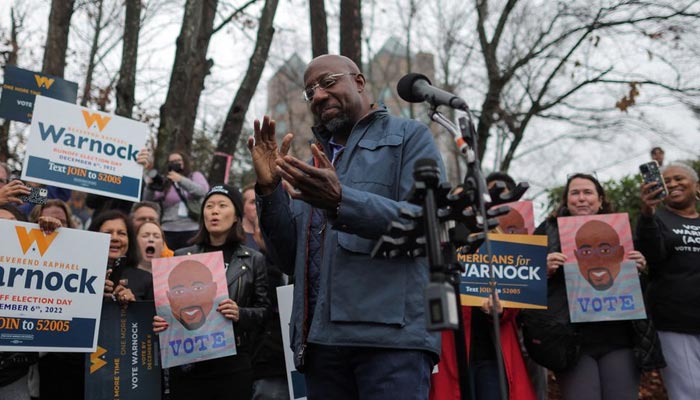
(650,173)
(38,195)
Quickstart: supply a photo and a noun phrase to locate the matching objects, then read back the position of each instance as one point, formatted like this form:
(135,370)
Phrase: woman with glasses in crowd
(220,229)
(668,231)
(612,354)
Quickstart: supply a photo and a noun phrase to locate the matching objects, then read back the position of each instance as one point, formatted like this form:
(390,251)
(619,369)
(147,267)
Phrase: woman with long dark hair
(606,358)
(220,229)
(669,235)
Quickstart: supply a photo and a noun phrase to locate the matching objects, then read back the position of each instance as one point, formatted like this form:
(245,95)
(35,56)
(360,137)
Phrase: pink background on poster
(525,209)
(162,267)
(569,225)
(176,333)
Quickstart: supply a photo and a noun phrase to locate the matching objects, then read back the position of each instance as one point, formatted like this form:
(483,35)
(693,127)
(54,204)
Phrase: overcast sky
(231,48)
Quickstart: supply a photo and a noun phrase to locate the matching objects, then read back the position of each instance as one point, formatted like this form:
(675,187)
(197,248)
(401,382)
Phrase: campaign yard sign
(50,288)
(187,290)
(20,88)
(77,148)
(295,379)
(601,281)
(519,263)
(126,364)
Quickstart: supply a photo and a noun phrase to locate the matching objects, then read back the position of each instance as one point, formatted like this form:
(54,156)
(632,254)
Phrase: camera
(157,180)
(175,166)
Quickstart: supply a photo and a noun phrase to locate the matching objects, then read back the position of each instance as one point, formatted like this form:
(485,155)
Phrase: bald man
(358,323)
(513,222)
(599,254)
(191,293)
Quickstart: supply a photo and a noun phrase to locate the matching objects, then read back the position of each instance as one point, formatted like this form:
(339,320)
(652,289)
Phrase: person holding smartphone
(668,234)
(12,190)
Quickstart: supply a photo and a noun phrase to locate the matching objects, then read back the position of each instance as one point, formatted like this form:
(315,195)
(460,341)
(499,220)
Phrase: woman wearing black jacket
(669,235)
(607,359)
(220,229)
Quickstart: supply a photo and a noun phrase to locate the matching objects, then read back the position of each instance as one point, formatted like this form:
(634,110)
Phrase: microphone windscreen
(405,87)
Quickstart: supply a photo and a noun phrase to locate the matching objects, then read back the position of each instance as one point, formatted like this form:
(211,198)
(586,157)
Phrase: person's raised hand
(649,201)
(174,176)
(49,224)
(639,259)
(145,158)
(159,324)
(487,304)
(109,286)
(264,152)
(318,186)
(229,309)
(10,193)
(554,262)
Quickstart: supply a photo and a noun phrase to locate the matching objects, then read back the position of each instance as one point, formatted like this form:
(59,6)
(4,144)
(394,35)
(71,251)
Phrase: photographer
(179,191)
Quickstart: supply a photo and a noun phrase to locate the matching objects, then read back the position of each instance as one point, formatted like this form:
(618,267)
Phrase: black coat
(646,346)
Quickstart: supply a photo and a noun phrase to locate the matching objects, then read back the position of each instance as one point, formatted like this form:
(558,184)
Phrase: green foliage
(624,195)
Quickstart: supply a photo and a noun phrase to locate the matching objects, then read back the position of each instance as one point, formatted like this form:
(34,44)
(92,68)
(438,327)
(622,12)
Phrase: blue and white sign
(77,148)
(20,88)
(519,265)
(50,288)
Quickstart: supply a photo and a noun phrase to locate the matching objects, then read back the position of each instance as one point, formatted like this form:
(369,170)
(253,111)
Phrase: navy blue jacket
(362,301)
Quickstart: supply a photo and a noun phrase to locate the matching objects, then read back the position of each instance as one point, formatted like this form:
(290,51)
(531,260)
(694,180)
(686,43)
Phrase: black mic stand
(444,222)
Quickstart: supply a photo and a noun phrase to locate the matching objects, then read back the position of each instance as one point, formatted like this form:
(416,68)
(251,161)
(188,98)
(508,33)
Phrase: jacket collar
(323,135)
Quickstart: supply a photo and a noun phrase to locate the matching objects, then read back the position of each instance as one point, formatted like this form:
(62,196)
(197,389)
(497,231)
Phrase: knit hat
(229,191)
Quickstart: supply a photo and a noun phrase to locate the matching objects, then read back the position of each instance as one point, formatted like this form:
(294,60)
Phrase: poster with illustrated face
(519,220)
(187,291)
(601,281)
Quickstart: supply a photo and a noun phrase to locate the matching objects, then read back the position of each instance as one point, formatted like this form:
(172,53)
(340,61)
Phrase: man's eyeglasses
(181,291)
(602,251)
(323,83)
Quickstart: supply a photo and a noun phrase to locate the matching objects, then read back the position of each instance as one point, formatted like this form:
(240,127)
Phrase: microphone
(416,88)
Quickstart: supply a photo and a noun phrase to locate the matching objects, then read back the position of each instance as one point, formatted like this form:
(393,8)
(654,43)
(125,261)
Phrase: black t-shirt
(671,244)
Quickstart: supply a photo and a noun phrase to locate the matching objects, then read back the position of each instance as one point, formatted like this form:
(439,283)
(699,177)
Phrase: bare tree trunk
(319,27)
(127,70)
(231,132)
(87,87)
(57,37)
(11,59)
(351,30)
(191,66)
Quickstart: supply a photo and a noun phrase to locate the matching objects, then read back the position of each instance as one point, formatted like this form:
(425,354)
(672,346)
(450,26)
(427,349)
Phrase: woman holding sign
(62,375)
(220,229)
(591,360)
(669,235)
